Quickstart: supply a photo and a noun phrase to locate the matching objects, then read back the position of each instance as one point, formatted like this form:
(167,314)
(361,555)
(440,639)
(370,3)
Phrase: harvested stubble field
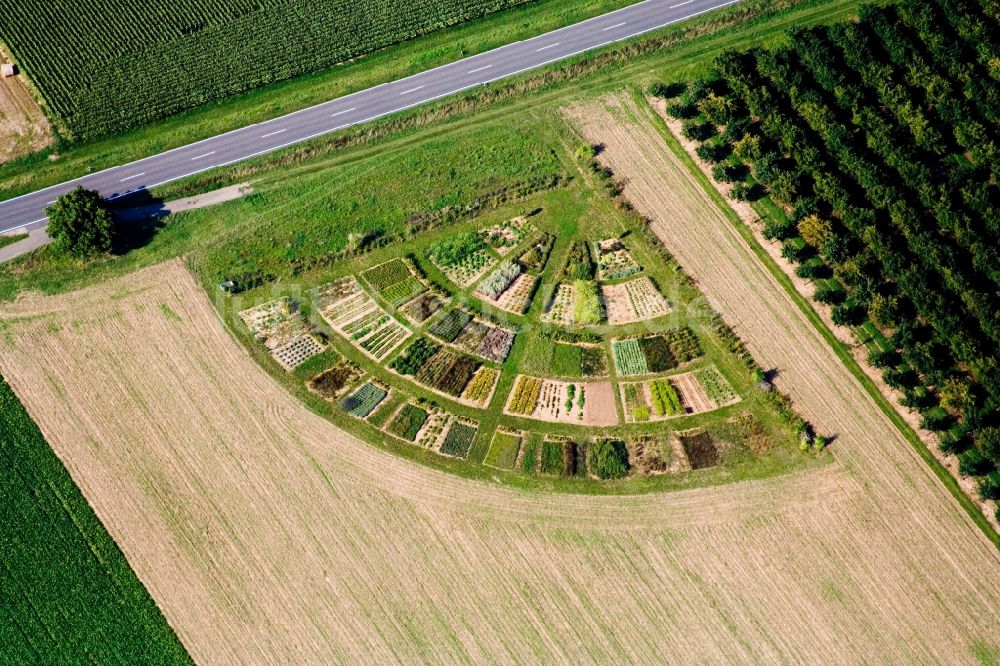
(267,535)
(913,509)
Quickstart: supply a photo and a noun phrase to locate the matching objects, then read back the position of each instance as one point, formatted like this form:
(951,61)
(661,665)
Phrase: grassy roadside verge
(839,347)
(691,48)
(687,45)
(426,52)
(684,48)
(68,590)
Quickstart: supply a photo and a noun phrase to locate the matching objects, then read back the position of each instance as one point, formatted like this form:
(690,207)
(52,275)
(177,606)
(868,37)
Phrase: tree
(608,459)
(883,310)
(815,230)
(80,223)
(988,441)
(956,394)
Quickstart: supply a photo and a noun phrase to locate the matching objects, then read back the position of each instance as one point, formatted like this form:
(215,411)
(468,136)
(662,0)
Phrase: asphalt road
(28,210)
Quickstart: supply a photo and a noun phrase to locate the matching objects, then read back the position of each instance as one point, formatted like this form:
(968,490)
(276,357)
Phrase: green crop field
(111,65)
(67,589)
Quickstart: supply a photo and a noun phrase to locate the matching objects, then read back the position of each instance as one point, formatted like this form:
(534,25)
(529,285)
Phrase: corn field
(104,67)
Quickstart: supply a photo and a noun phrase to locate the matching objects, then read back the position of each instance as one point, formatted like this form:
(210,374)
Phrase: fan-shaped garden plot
(438,343)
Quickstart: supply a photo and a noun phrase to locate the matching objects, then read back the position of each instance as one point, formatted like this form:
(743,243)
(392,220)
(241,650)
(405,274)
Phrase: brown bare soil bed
(702,451)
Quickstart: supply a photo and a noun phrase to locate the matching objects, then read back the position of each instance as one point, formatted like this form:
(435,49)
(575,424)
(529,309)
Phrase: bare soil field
(915,507)
(24,129)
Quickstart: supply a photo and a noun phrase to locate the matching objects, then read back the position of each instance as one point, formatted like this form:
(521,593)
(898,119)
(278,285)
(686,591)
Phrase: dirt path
(24,129)
(38,238)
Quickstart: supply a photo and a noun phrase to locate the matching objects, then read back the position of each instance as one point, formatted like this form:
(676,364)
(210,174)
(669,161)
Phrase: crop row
(499,280)
(408,422)
(385,339)
(459,439)
(525,395)
(496,345)
(629,358)
(535,257)
(635,402)
(715,386)
(387,274)
(666,402)
(415,356)
(138,62)
(481,385)
(450,325)
(363,401)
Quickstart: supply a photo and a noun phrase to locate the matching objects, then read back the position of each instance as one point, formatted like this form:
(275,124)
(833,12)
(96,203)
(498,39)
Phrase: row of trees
(881,141)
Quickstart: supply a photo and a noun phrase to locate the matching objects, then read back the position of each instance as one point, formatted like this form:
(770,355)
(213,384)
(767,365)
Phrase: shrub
(936,419)
(973,462)
(745,192)
(779,229)
(80,223)
(696,130)
(721,173)
(608,459)
(954,442)
(811,270)
(884,358)
(711,152)
(989,486)
(830,295)
(795,250)
(666,90)
(988,441)
(847,314)
(681,110)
